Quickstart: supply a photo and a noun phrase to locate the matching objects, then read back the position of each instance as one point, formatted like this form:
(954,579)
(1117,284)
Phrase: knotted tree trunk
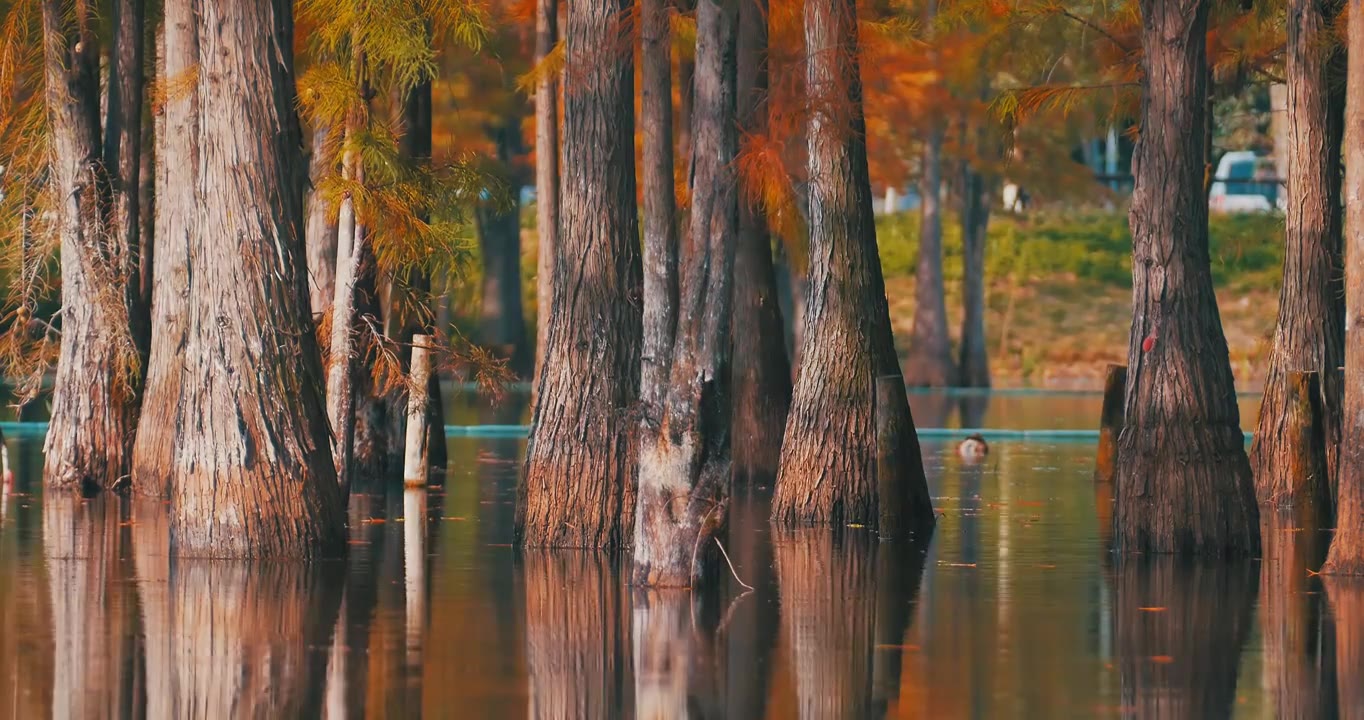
(99,372)
(235,425)
(828,460)
(579,482)
(1347,547)
(1183,483)
(1310,333)
(761,368)
(684,463)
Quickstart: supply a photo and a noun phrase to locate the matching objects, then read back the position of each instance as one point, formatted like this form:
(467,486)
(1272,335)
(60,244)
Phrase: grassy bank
(1059,291)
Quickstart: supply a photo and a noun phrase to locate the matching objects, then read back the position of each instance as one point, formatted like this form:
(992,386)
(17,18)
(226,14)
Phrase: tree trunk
(416,145)
(352,258)
(929,363)
(1347,547)
(1310,333)
(1167,669)
(546,176)
(235,424)
(828,461)
(577,639)
(660,208)
(499,232)
(579,483)
(761,368)
(1183,482)
(973,368)
(99,372)
(321,232)
(684,464)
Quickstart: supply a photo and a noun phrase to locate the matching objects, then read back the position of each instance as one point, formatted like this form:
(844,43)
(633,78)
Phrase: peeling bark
(684,461)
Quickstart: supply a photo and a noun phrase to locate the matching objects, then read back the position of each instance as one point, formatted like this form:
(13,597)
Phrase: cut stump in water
(417,450)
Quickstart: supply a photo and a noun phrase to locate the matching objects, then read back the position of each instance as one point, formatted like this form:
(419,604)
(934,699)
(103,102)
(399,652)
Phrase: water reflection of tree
(94,608)
(1299,654)
(1180,629)
(752,621)
(577,638)
(246,639)
(1346,595)
(846,604)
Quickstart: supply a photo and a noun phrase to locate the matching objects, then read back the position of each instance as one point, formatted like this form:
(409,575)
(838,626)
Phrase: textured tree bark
(577,636)
(503,321)
(321,232)
(1299,652)
(1168,671)
(99,373)
(94,607)
(761,384)
(579,482)
(660,207)
(263,622)
(902,489)
(235,424)
(1310,332)
(1183,482)
(973,365)
(828,460)
(684,461)
(1347,547)
(546,176)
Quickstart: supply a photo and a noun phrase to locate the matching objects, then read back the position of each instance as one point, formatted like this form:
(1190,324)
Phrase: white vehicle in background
(1245,183)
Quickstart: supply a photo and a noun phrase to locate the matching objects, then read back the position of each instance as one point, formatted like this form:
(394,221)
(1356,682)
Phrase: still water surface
(1013,610)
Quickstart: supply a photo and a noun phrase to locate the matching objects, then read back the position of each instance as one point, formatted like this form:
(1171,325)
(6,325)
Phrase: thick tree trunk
(502,319)
(98,378)
(1347,548)
(684,462)
(1183,482)
(929,363)
(660,208)
(234,423)
(579,483)
(1310,333)
(321,233)
(577,636)
(1167,670)
(761,367)
(973,366)
(546,176)
(828,461)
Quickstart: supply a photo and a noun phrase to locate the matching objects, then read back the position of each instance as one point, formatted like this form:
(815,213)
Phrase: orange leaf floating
(1162,659)
(887,646)
(961,565)
(1151,609)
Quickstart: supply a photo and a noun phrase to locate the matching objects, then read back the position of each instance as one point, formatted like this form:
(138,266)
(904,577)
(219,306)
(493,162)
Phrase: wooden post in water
(1307,466)
(891,494)
(415,463)
(1111,419)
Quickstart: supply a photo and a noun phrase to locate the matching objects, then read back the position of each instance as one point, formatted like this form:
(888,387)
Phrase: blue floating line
(522,386)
